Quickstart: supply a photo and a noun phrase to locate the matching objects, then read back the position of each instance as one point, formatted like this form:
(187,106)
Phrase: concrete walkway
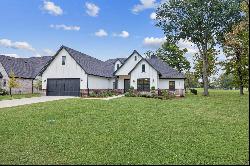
(24,101)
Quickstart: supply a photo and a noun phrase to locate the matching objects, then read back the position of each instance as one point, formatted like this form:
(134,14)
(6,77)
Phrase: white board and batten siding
(128,65)
(95,82)
(117,63)
(70,70)
(5,77)
(150,73)
(164,83)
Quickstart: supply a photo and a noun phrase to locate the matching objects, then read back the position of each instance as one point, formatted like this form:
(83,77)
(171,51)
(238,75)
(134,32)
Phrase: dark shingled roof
(164,69)
(97,67)
(116,59)
(91,65)
(24,67)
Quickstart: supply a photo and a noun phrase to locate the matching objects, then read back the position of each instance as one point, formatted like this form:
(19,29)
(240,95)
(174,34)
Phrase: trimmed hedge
(194,91)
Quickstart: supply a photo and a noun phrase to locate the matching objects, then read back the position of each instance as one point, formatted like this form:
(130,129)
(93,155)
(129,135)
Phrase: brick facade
(25,86)
(85,92)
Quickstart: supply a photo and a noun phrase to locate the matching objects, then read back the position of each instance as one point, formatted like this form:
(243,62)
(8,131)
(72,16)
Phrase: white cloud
(48,52)
(192,49)
(16,45)
(12,55)
(5,42)
(153,42)
(51,8)
(92,9)
(153,16)
(145,4)
(123,34)
(101,33)
(65,27)
(22,45)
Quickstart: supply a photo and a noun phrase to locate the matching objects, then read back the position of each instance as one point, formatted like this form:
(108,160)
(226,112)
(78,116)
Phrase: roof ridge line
(83,53)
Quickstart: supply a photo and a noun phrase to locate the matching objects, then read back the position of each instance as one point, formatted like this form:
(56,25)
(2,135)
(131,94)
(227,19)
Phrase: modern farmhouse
(72,73)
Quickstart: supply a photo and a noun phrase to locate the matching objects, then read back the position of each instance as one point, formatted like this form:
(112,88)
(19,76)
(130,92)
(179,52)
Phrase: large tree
(211,66)
(174,56)
(202,22)
(236,47)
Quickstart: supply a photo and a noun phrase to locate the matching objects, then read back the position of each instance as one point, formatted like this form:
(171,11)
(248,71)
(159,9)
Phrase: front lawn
(19,96)
(190,130)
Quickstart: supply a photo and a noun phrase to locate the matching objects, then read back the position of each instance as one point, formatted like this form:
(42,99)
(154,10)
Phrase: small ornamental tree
(12,83)
(38,85)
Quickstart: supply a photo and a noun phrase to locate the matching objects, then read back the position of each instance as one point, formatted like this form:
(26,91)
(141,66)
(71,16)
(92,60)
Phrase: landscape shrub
(102,93)
(3,92)
(92,94)
(194,91)
(131,92)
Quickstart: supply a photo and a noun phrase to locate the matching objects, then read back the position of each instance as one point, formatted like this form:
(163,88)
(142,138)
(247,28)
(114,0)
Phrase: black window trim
(143,87)
(63,60)
(170,88)
(143,68)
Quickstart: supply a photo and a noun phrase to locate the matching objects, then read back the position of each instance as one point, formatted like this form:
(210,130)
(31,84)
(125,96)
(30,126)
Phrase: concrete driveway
(24,101)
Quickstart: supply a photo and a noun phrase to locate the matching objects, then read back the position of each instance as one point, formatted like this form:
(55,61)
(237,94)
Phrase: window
(117,66)
(115,84)
(135,58)
(143,84)
(63,60)
(143,68)
(171,85)
(4,82)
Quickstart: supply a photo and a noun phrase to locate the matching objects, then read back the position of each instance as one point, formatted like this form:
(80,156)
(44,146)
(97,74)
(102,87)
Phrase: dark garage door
(63,87)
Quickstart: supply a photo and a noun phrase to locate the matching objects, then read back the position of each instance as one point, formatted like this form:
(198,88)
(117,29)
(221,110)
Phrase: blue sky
(101,28)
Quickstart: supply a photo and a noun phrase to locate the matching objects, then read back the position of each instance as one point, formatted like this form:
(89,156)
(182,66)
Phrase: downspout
(88,84)
(32,89)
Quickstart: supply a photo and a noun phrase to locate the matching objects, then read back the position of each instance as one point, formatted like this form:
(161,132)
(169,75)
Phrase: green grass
(190,130)
(17,96)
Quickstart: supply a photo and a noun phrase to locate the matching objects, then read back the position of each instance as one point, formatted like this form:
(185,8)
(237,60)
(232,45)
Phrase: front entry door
(126,85)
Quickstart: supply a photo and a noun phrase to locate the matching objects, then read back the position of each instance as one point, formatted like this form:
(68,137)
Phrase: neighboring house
(25,69)
(73,73)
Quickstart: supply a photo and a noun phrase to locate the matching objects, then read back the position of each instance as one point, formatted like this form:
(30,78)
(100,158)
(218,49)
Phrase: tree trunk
(238,59)
(241,90)
(204,73)
(10,92)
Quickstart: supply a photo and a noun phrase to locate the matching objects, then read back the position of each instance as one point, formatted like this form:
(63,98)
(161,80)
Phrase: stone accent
(177,92)
(25,86)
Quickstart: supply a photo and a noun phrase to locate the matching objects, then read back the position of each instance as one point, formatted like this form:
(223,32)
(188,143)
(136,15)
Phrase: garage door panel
(63,87)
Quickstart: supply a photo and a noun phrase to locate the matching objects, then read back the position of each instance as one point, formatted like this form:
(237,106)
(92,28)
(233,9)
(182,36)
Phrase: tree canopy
(174,56)
(202,22)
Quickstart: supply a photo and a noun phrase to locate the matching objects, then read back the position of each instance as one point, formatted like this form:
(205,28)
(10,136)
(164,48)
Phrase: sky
(103,29)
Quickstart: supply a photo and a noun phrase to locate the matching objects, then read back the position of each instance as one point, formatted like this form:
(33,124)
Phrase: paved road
(24,101)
